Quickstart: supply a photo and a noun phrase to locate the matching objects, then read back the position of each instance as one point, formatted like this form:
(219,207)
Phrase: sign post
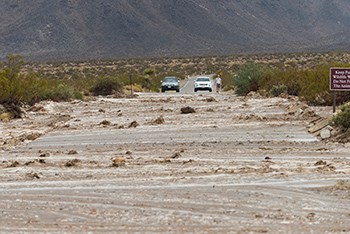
(131,89)
(339,80)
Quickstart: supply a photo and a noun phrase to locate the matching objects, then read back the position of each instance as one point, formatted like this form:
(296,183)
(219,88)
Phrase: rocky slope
(81,29)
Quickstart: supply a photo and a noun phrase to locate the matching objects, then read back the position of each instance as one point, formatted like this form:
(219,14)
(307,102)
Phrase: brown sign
(339,79)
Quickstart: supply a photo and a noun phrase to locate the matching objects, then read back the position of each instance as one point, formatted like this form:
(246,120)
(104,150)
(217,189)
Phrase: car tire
(195,90)
(178,90)
(163,90)
(210,90)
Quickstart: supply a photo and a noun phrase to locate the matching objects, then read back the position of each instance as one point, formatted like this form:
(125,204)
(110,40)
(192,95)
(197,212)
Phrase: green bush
(342,119)
(315,86)
(61,93)
(275,77)
(227,81)
(310,85)
(17,88)
(106,86)
(247,79)
(28,88)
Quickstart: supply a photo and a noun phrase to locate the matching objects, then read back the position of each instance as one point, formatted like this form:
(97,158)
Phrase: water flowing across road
(240,165)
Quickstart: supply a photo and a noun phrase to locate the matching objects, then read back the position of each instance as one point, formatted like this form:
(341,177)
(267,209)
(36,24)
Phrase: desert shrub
(61,92)
(226,80)
(315,85)
(149,71)
(81,84)
(311,85)
(342,119)
(146,83)
(247,79)
(17,88)
(276,77)
(106,86)
(135,88)
(277,90)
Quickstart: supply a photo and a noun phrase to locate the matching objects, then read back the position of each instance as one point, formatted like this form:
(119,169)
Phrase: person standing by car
(218,84)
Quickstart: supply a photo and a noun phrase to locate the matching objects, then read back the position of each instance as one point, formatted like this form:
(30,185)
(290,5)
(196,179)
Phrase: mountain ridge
(87,29)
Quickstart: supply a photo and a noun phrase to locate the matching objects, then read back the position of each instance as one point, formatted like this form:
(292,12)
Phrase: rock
(14,164)
(33,175)
(211,99)
(105,123)
(159,120)
(176,155)
(326,132)
(299,112)
(320,163)
(42,161)
(187,110)
(134,124)
(118,161)
(72,163)
(44,155)
(72,152)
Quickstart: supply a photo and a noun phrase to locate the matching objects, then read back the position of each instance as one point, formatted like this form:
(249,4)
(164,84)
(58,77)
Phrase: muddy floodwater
(234,165)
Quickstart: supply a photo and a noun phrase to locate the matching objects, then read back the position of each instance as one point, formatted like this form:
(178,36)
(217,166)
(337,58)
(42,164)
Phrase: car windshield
(170,79)
(203,79)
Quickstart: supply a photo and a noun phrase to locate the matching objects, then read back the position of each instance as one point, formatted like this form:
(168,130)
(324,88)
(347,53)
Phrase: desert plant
(342,119)
(277,76)
(149,72)
(311,85)
(17,88)
(106,86)
(227,82)
(314,85)
(247,79)
(61,92)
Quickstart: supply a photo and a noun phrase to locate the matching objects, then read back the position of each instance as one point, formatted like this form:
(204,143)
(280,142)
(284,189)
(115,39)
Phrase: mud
(235,165)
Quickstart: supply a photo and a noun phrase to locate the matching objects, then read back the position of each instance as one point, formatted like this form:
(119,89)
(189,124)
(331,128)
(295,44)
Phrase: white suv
(203,83)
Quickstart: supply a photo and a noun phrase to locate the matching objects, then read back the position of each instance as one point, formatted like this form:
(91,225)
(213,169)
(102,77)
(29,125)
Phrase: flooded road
(236,165)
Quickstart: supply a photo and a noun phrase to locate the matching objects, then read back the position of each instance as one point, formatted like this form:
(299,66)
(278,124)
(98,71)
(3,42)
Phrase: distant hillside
(90,29)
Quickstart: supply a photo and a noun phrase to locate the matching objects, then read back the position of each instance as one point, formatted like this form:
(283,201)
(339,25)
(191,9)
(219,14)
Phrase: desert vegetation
(305,75)
(310,85)
(342,119)
(18,88)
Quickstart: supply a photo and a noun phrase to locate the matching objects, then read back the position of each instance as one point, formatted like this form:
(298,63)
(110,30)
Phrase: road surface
(236,165)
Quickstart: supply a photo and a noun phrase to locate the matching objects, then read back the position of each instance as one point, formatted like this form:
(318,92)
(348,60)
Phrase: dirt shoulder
(242,165)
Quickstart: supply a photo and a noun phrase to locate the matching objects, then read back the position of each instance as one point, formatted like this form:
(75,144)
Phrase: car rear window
(169,79)
(203,79)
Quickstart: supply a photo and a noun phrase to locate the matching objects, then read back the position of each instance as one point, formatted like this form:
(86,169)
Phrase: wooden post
(131,89)
(334,101)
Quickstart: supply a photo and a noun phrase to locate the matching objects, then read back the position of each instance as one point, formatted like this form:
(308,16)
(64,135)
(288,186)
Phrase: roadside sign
(339,79)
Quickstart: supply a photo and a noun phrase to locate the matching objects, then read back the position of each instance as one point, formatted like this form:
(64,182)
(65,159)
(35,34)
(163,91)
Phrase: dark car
(170,83)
